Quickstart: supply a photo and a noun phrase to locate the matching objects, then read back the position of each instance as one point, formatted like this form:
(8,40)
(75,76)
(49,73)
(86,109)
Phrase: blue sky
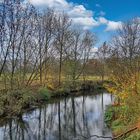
(103,17)
(114,9)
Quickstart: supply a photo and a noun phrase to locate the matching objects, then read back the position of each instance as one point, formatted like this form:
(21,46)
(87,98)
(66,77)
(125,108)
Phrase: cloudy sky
(100,16)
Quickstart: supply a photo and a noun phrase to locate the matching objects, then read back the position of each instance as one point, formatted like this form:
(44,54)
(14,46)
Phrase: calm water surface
(73,118)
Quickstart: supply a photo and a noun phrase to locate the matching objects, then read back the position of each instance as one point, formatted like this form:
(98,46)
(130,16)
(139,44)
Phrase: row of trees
(43,47)
(39,46)
(120,60)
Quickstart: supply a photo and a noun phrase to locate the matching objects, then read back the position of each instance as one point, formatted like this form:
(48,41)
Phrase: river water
(72,118)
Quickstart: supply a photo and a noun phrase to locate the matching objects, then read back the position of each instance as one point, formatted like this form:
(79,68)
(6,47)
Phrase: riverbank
(15,102)
(124,120)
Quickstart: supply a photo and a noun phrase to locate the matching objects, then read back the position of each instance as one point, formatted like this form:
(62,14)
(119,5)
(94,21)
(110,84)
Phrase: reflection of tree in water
(17,129)
(64,120)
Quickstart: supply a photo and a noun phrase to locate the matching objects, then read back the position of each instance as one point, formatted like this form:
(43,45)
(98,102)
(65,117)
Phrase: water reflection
(75,118)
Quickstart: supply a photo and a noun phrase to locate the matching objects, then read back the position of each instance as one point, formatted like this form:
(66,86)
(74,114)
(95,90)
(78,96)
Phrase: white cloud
(93,52)
(79,14)
(86,22)
(111,25)
(94,49)
(50,3)
(102,20)
(80,10)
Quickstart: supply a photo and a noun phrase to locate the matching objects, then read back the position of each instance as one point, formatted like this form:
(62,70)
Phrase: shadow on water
(73,118)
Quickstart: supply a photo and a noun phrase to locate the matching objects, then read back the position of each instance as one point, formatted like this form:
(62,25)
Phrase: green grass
(135,136)
(124,117)
(44,93)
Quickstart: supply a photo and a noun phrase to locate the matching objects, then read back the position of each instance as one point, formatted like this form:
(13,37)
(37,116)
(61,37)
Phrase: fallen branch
(121,135)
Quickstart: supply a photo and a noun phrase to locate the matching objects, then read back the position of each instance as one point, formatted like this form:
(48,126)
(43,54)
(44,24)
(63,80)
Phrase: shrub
(109,115)
(13,102)
(44,93)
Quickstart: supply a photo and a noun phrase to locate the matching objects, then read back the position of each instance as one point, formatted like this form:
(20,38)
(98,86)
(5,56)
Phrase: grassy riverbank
(15,102)
(124,119)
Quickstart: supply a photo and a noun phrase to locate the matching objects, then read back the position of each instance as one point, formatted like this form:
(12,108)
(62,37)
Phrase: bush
(44,93)
(13,102)
(109,116)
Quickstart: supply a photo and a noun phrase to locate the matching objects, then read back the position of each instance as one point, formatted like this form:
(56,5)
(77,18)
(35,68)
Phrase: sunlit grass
(51,80)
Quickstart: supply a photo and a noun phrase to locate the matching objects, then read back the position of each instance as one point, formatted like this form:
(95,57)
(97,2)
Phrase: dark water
(73,118)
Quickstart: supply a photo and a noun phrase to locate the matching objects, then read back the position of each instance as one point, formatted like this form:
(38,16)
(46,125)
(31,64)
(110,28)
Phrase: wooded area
(40,47)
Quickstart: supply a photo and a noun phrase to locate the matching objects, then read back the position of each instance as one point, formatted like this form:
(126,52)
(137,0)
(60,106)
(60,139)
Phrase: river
(71,118)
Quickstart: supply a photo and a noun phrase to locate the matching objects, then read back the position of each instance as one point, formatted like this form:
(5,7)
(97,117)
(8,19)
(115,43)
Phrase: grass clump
(123,117)
(44,93)
(135,136)
(118,126)
(109,116)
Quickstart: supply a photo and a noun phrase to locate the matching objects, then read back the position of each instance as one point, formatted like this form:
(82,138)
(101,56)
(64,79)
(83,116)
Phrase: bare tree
(62,27)
(35,45)
(126,51)
(79,53)
(102,55)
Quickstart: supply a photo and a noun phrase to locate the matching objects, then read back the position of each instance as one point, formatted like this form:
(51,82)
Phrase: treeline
(40,47)
(123,63)
(44,47)
(122,59)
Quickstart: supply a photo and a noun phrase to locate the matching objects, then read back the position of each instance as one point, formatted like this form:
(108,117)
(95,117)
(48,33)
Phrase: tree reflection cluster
(68,119)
